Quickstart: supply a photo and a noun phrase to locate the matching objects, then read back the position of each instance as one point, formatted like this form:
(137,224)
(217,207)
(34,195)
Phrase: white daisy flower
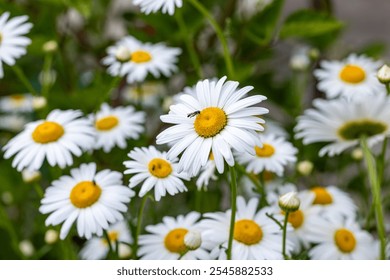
(354,77)
(152,6)
(134,59)
(15,103)
(115,125)
(276,188)
(89,198)
(155,170)
(13,122)
(341,239)
(62,134)
(274,155)
(343,123)
(206,174)
(147,94)
(12,42)
(218,120)
(166,241)
(256,236)
(248,8)
(333,201)
(97,248)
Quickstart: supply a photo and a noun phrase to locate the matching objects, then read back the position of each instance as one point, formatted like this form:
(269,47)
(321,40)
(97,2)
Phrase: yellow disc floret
(296,218)
(174,241)
(266,151)
(47,132)
(140,56)
(85,194)
(160,168)
(345,240)
(247,232)
(106,123)
(352,74)
(322,196)
(210,121)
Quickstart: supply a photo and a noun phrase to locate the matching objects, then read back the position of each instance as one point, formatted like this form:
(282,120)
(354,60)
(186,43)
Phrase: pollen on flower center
(355,129)
(345,240)
(47,132)
(352,74)
(322,196)
(106,123)
(266,151)
(296,218)
(247,232)
(84,194)
(210,121)
(140,56)
(174,241)
(160,168)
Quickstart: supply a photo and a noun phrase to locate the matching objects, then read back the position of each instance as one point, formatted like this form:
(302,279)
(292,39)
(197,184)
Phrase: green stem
(275,220)
(285,235)
(189,44)
(233,186)
(110,249)
(258,184)
(46,75)
(38,189)
(22,77)
(220,35)
(387,88)
(381,161)
(376,195)
(139,224)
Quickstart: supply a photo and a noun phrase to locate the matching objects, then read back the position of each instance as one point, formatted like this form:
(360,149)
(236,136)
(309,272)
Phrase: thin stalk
(285,235)
(38,189)
(233,187)
(220,35)
(22,77)
(139,223)
(382,161)
(189,45)
(110,249)
(376,195)
(46,83)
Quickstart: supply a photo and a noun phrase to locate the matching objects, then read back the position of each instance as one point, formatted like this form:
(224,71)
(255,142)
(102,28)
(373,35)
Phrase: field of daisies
(190,130)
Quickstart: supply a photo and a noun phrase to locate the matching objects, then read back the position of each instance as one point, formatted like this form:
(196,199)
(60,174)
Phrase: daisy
(341,239)
(274,155)
(343,123)
(166,241)
(148,94)
(115,125)
(134,59)
(255,235)
(12,43)
(248,8)
(206,174)
(97,248)
(218,120)
(89,198)
(13,122)
(333,201)
(152,6)
(155,170)
(354,77)
(14,103)
(62,134)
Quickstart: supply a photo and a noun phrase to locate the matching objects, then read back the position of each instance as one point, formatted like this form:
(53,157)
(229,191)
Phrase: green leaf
(309,24)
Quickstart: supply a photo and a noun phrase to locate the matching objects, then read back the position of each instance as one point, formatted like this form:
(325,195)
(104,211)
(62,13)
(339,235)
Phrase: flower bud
(305,167)
(193,240)
(51,236)
(383,74)
(357,154)
(124,251)
(50,46)
(289,202)
(39,102)
(123,54)
(7,198)
(27,248)
(30,176)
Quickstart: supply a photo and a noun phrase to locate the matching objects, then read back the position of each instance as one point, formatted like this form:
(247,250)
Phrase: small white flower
(305,167)
(384,74)
(27,248)
(152,6)
(51,236)
(17,103)
(50,46)
(193,240)
(30,176)
(289,202)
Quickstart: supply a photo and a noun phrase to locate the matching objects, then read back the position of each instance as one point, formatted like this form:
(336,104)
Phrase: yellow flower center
(112,235)
(140,56)
(47,132)
(352,74)
(266,151)
(17,98)
(211,157)
(247,232)
(355,129)
(295,218)
(210,121)
(174,241)
(107,123)
(345,240)
(160,168)
(84,194)
(268,175)
(322,196)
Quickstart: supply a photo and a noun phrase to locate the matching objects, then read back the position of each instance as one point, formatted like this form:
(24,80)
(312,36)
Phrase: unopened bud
(27,248)
(123,54)
(383,74)
(289,202)
(50,46)
(193,240)
(30,176)
(357,154)
(7,198)
(124,251)
(305,167)
(51,236)
(39,102)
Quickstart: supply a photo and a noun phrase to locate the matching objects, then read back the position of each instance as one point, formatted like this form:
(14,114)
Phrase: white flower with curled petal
(152,6)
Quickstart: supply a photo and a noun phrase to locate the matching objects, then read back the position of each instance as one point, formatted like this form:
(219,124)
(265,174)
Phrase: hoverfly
(193,114)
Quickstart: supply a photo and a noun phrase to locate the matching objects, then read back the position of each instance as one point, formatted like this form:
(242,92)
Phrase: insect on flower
(193,114)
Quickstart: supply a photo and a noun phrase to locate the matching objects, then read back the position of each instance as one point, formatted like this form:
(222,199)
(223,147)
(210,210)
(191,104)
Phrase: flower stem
(285,234)
(189,44)
(375,183)
(139,224)
(110,250)
(220,35)
(233,187)
(22,77)
(46,75)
